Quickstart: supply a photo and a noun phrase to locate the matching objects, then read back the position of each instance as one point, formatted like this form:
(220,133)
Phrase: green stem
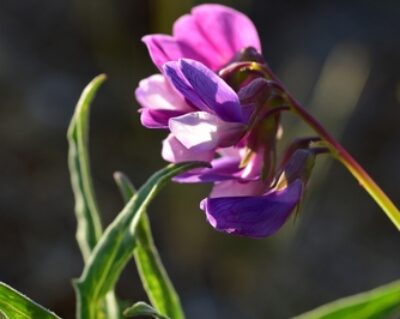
(336,149)
(340,153)
(153,275)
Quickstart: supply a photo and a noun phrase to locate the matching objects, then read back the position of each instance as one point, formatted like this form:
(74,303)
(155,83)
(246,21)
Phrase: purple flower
(208,120)
(212,34)
(253,216)
(202,112)
(254,208)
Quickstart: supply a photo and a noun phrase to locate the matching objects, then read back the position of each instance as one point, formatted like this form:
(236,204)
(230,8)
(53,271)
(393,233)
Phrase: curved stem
(340,153)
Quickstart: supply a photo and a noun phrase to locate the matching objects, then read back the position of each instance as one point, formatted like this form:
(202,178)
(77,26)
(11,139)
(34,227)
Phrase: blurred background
(341,59)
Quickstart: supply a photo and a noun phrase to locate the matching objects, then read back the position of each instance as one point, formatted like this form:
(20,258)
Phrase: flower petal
(238,188)
(253,216)
(159,101)
(162,48)
(189,33)
(172,71)
(156,93)
(255,165)
(173,151)
(223,168)
(157,118)
(204,131)
(204,89)
(217,33)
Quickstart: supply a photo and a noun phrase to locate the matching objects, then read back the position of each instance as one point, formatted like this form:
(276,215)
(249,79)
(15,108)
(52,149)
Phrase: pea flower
(208,121)
(232,32)
(222,104)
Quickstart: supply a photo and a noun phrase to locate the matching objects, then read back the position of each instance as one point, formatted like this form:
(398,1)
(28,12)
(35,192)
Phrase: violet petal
(254,216)
(223,168)
(204,89)
(238,188)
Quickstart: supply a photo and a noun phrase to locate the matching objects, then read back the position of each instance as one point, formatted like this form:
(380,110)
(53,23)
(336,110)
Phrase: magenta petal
(190,35)
(231,32)
(217,33)
(151,118)
(255,216)
(212,34)
(205,89)
(162,48)
(173,151)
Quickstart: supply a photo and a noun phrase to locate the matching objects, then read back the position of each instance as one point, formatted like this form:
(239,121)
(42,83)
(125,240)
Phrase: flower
(254,208)
(229,119)
(201,110)
(253,216)
(212,34)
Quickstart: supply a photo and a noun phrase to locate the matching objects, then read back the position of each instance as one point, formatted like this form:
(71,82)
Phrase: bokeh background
(341,59)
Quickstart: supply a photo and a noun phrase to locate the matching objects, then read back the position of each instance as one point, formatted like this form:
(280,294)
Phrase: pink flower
(199,119)
(217,120)
(212,34)
(209,121)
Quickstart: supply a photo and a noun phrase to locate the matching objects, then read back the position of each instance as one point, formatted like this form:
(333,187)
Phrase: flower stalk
(337,150)
(343,156)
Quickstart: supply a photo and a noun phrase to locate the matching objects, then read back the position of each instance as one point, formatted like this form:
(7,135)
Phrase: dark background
(341,59)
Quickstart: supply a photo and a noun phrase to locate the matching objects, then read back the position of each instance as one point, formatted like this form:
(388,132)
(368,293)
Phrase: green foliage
(89,227)
(379,303)
(143,309)
(153,275)
(14,305)
(87,214)
(116,245)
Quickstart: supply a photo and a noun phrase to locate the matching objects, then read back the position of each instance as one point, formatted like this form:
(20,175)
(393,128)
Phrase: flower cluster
(219,104)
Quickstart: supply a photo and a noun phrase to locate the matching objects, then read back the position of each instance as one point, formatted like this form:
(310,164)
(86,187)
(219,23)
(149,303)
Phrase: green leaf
(143,309)
(114,249)
(89,227)
(153,275)
(14,305)
(382,302)
(87,214)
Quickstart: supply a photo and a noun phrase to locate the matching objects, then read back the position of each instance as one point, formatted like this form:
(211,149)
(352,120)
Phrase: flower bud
(257,92)
(299,166)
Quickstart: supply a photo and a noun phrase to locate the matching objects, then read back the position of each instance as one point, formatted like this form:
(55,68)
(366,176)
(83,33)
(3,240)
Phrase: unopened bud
(300,143)
(256,92)
(299,166)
